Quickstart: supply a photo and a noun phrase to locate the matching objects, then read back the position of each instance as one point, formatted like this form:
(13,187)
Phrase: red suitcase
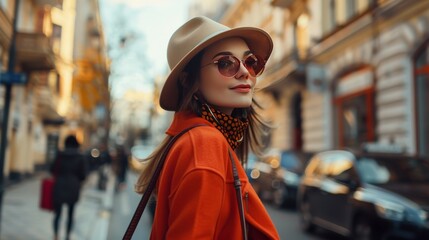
(46,194)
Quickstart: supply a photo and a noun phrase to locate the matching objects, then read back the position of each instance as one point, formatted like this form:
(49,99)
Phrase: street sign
(13,78)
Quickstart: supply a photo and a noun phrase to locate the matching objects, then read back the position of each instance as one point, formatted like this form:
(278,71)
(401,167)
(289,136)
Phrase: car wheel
(362,229)
(280,196)
(306,218)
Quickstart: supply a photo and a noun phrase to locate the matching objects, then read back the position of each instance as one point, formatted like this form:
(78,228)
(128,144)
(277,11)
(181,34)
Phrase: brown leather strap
(237,185)
(152,183)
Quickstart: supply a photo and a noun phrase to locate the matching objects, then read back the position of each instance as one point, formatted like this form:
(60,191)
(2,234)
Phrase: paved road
(286,221)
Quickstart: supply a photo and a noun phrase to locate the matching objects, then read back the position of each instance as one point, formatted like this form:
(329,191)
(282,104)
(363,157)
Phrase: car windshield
(388,170)
(290,161)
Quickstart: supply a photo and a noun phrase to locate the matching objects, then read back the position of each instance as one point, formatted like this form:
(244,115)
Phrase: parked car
(366,195)
(288,176)
(276,177)
(260,173)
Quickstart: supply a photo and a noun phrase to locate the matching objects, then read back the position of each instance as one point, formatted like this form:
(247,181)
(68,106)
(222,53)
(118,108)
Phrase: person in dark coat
(121,166)
(70,171)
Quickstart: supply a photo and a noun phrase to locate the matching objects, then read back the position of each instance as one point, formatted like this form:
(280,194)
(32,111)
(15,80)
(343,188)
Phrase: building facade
(368,74)
(343,73)
(89,115)
(40,109)
(32,105)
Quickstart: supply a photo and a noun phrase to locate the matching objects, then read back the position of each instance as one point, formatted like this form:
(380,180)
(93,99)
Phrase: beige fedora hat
(194,36)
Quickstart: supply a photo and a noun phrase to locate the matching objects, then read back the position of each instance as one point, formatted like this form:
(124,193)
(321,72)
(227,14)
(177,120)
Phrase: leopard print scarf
(231,127)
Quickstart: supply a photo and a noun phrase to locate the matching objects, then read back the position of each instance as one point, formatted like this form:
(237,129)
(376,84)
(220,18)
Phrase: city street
(93,221)
(286,221)
(328,100)
(287,224)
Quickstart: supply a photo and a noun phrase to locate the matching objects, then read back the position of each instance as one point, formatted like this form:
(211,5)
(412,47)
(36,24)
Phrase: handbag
(46,200)
(143,202)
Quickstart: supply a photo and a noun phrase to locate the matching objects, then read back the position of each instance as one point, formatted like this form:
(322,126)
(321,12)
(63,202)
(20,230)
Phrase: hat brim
(259,43)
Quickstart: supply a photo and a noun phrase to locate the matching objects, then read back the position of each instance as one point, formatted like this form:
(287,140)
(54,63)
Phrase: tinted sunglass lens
(228,66)
(255,65)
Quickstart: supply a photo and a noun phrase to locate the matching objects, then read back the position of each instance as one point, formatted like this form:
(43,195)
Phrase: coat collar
(183,120)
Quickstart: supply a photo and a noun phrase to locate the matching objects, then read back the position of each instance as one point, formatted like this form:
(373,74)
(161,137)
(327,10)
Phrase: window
(385,170)
(350,8)
(353,118)
(354,103)
(342,170)
(422,99)
(332,15)
(289,161)
(336,14)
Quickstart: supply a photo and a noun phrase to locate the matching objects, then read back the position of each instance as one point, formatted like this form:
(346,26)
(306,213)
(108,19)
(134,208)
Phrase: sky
(151,22)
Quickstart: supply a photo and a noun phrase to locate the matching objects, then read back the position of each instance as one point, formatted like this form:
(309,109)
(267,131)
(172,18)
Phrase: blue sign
(13,78)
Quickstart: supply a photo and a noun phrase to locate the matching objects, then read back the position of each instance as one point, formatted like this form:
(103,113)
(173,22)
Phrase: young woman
(212,82)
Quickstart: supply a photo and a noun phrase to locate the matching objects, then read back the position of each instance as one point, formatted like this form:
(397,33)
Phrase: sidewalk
(22,218)
(126,201)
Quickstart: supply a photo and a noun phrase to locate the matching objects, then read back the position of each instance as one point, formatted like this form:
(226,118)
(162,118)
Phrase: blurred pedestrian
(69,170)
(121,160)
(105,160)
(212,82)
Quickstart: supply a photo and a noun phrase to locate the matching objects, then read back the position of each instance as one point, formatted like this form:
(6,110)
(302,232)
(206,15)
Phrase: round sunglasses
(229,65)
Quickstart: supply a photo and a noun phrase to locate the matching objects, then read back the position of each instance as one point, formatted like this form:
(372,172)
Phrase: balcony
(48,2)
(5,28)
(34,52)
(282,3)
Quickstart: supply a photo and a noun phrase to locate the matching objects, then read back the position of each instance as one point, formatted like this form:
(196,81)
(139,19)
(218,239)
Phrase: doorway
(296,116)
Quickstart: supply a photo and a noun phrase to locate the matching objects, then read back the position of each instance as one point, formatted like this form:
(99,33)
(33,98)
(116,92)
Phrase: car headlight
(390,210)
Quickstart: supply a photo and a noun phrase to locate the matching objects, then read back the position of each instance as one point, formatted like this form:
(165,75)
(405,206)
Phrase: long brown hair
(188,84)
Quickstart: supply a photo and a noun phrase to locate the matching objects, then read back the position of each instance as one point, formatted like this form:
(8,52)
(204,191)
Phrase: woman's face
(226,93)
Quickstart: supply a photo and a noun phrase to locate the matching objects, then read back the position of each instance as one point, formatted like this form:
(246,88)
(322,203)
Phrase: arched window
(354,103)
(422,98)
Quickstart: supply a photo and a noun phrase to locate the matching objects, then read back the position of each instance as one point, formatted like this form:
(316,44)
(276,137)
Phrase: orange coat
(196,194)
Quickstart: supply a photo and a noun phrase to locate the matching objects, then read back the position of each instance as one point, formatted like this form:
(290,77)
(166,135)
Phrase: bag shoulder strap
(237,186)
(152,183)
